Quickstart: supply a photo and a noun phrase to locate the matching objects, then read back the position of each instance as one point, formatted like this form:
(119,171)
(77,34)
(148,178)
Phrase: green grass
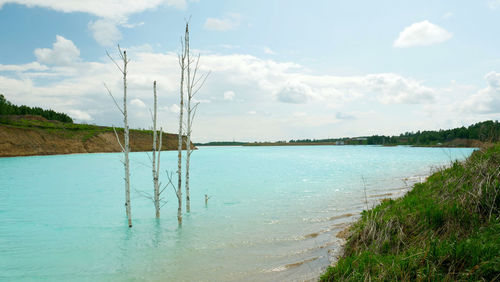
(66,130)
(447,228)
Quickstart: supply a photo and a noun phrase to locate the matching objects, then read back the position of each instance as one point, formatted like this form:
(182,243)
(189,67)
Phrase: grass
(445,229)
(66,130)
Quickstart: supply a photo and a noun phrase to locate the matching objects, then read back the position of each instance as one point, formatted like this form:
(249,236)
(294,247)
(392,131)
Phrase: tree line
(486,131)
(7,108)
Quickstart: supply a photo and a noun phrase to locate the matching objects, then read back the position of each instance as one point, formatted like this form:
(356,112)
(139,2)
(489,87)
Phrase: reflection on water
(273,213)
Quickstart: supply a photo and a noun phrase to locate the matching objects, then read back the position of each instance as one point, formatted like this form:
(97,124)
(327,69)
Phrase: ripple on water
(62,217)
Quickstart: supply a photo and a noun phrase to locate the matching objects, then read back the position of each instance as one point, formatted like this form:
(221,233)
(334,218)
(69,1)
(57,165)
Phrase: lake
(273,214)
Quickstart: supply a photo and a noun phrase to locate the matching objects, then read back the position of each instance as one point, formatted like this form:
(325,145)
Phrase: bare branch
(113,60)
(114,100)
(151,113)
(194,113)
(123,54)
(164,203)
(193,83)
(143,194)
(149,157)
(118,139)
(170,182)
(202,83)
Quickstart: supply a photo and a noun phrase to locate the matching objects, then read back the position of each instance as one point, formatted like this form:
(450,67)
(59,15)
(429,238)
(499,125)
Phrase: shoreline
(445,228)
(84,153)
(270,144)
(196,148)
(346,231)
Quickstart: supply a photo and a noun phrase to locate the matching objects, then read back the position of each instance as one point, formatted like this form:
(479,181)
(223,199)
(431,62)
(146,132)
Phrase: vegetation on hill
(55,127)
(445,229)
(486,131)
(473,136)
(34,135)
(7,108)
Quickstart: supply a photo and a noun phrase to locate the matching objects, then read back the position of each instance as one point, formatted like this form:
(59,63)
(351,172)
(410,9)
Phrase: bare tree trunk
(193,86)
(157,184)
(182,63)
(188,157)
(126,147)
(188,124)
(155,149)
(127,141)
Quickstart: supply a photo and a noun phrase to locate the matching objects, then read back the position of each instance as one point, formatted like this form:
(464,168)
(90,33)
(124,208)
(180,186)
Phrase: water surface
(273,214)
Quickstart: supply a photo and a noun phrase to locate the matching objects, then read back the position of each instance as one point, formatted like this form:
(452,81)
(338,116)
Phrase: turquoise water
(273,214)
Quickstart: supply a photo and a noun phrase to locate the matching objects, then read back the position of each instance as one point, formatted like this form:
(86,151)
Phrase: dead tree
(182,64)
(125,147)
(194,84)
(156,157)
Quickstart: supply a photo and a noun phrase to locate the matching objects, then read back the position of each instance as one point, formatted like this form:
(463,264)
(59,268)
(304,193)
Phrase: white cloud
(63,52)
(270,89)
(175,109)
(268,51)
(105,32)
(395,89)
(130,25)
(179,4)
(138,103)
(80,115)
(421,34)
(111,13)
(486,100)
(229,46)
(33,66)
(229,95)
(494,4)
(224,24)
(448,15)
(258,80)
(109,9)
(344,116)
(299,114)
(201,101)
(295,92)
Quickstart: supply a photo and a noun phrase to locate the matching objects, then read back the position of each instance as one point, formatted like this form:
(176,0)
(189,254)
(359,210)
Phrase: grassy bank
(447,228)
(34,135)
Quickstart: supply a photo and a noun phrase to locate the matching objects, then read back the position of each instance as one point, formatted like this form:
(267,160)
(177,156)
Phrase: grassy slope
(447,228)
(86,131)
(34,135)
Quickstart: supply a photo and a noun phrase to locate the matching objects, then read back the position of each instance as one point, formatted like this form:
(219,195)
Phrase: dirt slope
(31,140)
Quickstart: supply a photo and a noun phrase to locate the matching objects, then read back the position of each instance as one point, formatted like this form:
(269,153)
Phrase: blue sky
(280,69)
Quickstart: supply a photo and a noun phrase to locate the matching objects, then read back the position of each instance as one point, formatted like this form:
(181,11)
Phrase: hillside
(445,229)
(475,135)
(34,135)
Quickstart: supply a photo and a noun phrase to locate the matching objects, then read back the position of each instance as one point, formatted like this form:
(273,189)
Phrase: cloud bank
(268,98)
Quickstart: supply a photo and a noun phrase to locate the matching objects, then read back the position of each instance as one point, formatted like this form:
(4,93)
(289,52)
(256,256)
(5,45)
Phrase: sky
(279,70)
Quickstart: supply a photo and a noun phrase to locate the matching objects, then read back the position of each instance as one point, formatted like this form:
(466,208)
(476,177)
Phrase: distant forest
(7,108)
(486,131)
